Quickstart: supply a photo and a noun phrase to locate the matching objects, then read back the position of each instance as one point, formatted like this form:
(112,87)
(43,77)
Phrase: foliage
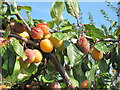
(81,66)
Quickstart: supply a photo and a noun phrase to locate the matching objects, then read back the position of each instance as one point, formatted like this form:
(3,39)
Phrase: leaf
(115,58)
(65,28)
(66,43)
(11,62)
(30,20)
(50,24)
(47,79)
(58,35)
(90,76)
(66,23)
(56,12)
(74,82)
(13,9)
(72,7)
(78,73)
(101,47)
(27,8)
(3,52)
(94,32)
(113,24)
(6,34)
(31,68)
(103,66)
(18,48)
(73,53)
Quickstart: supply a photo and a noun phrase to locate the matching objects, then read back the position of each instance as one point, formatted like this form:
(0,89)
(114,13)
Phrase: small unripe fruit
(36,33)
(23,64)
(84,84)
(44,27)
(19,27)
(83,44)
(38,56)
(56,42)
(46,45)
(58,57)
(96,55)
(30,56)
(55,85)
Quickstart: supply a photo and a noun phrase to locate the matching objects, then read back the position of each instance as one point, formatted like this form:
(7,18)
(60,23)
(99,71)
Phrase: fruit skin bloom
(83,44)
(46,45)
(96,55)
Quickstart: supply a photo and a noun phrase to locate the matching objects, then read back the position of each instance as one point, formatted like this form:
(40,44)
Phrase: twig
(21,38)
(106,40)
(18,15)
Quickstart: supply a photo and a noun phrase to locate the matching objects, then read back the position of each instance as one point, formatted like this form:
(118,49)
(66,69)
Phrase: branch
(106,40)
(21,38)
(60,69)
(18,15)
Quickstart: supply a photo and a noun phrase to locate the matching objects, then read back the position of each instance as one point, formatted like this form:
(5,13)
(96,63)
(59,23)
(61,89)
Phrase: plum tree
(38,56)
(83,44)
(30,56)
(84,84)
(19,27)
(96,54)
(44,27)
(36,33)
(58,57)
(46,45)
(56,42)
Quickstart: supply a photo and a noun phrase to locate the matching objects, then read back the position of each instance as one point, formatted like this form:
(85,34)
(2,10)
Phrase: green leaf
(46,79)
(6,34)
(115,58)
(50,24)
(30,20)
(3,52)
(27,8)
(113,24)
(13,9)
(74,82)
(11,62)
(94,32)
(18,48)
(66,23)
(66,28)
(72,7)
(56,12)
(101,47)
(90,76)
(31,68)
(78,73)
(103,66)
(73,53)
(58,35)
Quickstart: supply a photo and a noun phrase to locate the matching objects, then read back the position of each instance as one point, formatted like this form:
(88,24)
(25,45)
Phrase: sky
(41,10)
